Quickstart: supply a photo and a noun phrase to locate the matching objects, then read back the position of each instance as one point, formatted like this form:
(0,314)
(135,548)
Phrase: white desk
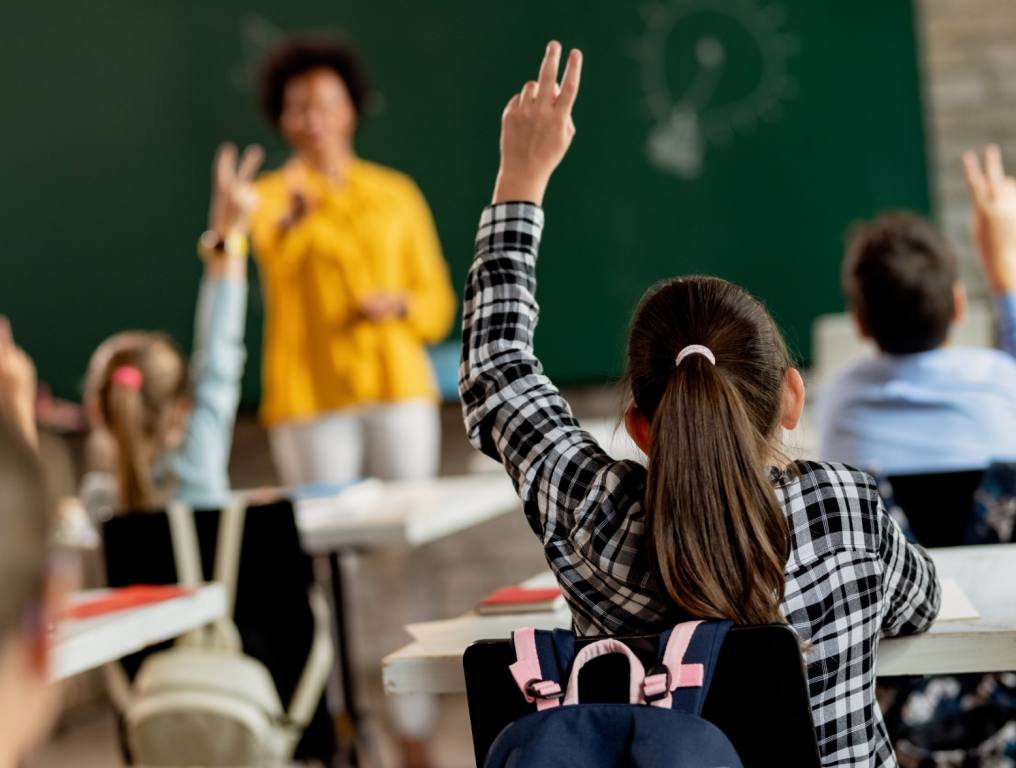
(413,513)
(84,644)
(986,574)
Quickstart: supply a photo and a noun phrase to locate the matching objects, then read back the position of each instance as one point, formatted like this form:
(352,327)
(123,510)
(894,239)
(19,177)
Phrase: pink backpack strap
(527,674)
(636,672)
(672,673)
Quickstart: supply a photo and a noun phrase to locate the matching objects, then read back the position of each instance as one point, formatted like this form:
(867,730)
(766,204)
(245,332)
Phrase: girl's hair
(25,520)
(720,538)
(135,380)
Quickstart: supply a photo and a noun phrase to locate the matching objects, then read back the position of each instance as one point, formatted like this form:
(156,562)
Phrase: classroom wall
(968,61)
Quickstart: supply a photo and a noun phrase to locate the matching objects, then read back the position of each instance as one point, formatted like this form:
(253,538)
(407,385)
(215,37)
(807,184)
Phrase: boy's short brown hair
(899,275)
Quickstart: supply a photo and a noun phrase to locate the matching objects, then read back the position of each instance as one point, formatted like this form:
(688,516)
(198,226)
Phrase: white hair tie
(695,349)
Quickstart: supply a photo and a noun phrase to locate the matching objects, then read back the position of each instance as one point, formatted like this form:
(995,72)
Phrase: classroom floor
(441,579)
(87,739)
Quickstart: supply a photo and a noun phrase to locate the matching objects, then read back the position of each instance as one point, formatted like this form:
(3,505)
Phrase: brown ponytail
(140,382)
(719,536)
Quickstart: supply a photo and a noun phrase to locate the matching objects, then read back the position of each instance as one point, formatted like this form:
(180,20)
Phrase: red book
(123,598)
(521,600)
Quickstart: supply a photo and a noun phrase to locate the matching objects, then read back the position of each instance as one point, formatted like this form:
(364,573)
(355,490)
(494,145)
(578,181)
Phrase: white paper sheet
(956,606)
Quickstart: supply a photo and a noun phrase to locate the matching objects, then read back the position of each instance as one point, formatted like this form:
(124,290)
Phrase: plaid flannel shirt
(851,575)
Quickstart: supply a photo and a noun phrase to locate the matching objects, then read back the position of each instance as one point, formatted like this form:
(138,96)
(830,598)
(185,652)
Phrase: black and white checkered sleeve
(512,411)
(913,595)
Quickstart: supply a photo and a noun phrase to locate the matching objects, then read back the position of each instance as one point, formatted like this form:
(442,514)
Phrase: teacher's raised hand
(537,129)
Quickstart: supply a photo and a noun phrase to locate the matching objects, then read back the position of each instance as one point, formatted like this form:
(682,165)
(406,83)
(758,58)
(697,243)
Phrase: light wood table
(83,644)
(986,574)
(375,514)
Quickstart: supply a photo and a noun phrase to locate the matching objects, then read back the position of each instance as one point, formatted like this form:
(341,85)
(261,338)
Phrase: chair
(938,506)
(955,714)
(281,616)
(763,708)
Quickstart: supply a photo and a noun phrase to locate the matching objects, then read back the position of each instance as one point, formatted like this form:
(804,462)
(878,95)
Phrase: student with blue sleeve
(922,405)
(173,427)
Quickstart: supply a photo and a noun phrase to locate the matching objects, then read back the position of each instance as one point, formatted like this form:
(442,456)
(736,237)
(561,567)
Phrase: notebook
(521,600)
(956,606)
(122,599)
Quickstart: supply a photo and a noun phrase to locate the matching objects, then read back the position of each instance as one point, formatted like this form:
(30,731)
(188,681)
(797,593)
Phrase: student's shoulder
(990,361)
(830,480)
(841,390)
(857,374)
(830,507)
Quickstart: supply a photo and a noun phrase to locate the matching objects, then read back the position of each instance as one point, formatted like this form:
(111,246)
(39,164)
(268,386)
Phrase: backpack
(204,701)
(661,725)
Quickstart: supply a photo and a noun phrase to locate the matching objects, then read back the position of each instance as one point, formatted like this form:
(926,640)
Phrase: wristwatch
(211,245)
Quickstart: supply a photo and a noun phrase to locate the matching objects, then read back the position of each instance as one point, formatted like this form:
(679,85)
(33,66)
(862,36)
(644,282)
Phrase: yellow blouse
(374,233)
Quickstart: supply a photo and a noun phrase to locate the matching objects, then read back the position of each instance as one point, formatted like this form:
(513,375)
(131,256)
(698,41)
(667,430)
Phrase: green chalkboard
(735,137)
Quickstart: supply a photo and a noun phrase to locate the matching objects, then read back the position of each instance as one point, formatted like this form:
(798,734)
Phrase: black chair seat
(938,506)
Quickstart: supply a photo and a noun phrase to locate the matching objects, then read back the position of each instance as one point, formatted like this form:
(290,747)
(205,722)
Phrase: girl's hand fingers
(252,158)
(530,92)
(548,70)
(570,80)
(225,162)
(993,164)
(512,105)
(976,182)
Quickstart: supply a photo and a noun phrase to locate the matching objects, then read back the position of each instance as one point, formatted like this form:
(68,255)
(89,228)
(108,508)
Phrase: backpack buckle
(652,690)
(547,690)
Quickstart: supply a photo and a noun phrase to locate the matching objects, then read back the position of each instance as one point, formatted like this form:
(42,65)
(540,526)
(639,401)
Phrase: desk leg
(351,710)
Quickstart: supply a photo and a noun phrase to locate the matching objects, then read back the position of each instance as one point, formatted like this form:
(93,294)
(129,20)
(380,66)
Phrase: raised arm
(513,412)
(217,360)
(993,195)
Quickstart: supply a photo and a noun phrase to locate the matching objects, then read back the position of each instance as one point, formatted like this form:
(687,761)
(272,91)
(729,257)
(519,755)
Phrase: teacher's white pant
(396,441)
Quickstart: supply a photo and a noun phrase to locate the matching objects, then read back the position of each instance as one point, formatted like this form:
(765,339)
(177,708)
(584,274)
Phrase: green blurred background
(800,116)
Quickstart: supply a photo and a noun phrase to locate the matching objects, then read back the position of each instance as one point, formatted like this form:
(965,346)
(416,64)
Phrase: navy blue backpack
(660,726)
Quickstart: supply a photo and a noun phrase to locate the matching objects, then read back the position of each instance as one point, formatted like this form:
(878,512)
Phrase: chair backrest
(938,506)
(758,696)
(271,612)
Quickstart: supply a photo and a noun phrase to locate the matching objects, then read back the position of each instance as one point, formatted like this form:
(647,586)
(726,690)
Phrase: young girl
(718,525)
(172,428)
(30,596)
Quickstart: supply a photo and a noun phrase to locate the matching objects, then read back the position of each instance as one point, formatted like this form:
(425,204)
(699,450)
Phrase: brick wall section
(968,52)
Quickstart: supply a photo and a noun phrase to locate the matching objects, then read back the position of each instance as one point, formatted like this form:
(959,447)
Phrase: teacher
(354,282)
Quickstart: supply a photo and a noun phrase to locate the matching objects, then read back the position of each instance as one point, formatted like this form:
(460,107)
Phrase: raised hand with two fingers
(993,194)
(537,129)
(233,195)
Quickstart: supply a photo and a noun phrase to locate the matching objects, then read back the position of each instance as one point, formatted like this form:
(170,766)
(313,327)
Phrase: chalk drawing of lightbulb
(687,122)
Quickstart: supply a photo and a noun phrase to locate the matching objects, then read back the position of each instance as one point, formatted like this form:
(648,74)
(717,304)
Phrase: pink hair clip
(695,349)
(128,377)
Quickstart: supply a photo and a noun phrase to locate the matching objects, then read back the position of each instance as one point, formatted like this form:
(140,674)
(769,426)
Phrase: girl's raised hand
(537,129)
(233,194)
